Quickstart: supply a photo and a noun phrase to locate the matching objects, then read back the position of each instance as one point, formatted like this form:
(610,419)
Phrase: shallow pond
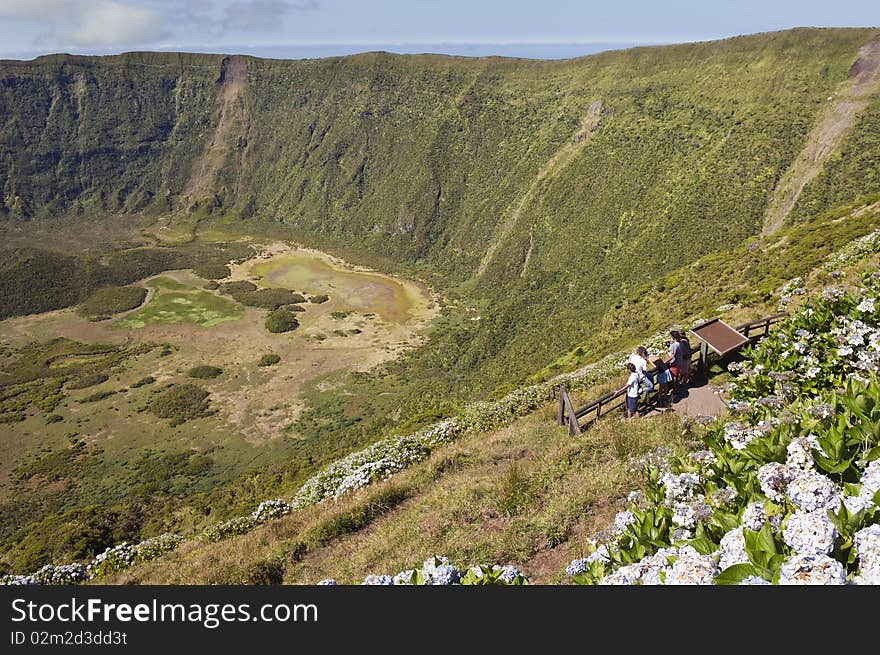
(352,290)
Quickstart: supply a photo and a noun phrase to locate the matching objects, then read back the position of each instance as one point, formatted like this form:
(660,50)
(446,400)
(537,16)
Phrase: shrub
(269,360)
(239,286)
(204,372)
(143,381)
(103,303)
(212,285)
(268,298)
(181,403)
(294,308)
(281,320)
(212,271)
(54,418)
(88,381)
(323,297)
(95,397)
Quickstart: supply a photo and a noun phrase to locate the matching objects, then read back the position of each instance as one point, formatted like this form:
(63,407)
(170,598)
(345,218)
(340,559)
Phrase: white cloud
(33,9)
(110,23)
(88,22)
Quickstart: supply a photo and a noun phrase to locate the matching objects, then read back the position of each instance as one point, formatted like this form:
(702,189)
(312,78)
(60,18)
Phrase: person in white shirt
(633,385)
(638,360)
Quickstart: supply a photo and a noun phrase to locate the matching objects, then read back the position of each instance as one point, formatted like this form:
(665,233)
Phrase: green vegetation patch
(269,360)
(181,403)
(247,293)
(103,303)
(281,320)
(239,286)
(165,282)
(89,380)
(269,298)
(34,280)
(320,298)
(191,306)
(212,271)
(143,381)
(204,372)
(95,397)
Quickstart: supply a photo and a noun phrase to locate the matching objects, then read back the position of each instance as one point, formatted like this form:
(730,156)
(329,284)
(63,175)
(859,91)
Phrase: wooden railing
(568,415)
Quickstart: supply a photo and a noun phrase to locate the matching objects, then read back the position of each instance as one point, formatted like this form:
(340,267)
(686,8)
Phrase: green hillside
(424,160)
(559,210)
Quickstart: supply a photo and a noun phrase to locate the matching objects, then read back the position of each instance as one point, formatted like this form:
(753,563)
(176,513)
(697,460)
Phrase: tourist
(639,359)
(633,389)
(675,357)
(663,380)
(686,352)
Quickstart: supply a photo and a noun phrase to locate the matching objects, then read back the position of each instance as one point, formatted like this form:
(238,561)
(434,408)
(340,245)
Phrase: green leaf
(703,545)
(765,539)
(735,574)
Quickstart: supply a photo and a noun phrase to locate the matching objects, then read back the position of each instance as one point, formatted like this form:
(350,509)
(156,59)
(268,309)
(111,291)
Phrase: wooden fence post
(560,415)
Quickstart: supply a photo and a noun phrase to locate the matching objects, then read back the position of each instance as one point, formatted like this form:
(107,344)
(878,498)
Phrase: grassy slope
(523,493)
(527,494)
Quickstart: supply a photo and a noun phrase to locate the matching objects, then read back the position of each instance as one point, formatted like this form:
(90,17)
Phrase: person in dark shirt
(675,357)
(686,351)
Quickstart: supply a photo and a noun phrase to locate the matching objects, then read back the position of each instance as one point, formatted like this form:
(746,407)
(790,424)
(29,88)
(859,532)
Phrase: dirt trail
(832,127)
(560,159)
(233,116)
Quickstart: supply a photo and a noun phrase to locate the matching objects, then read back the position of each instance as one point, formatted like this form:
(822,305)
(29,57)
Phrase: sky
(542,29)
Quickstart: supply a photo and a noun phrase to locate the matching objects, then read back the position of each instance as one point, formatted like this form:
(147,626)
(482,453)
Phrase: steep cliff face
(116,134)
(556,187)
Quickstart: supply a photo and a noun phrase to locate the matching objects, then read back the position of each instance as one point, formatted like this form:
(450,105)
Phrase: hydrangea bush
(787,491)
(439,570)
(113,559)
(266,511)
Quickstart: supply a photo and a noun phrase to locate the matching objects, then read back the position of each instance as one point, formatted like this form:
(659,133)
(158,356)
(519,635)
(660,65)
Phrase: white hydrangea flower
(724,496)
(869,576)
(754,516)
(692,568)
(739,435)
(682,534)
(812,491)
(774,479)
(855,504)
(800,452)
(866,306)
(733,549)
(404,577)
(378,580)
(809,533)
(871,479)
(640,573)
(704,457)
(687,515)
(623,519)
(634,497)
(867,543)
(812,570)
(577,566)
(680,487)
